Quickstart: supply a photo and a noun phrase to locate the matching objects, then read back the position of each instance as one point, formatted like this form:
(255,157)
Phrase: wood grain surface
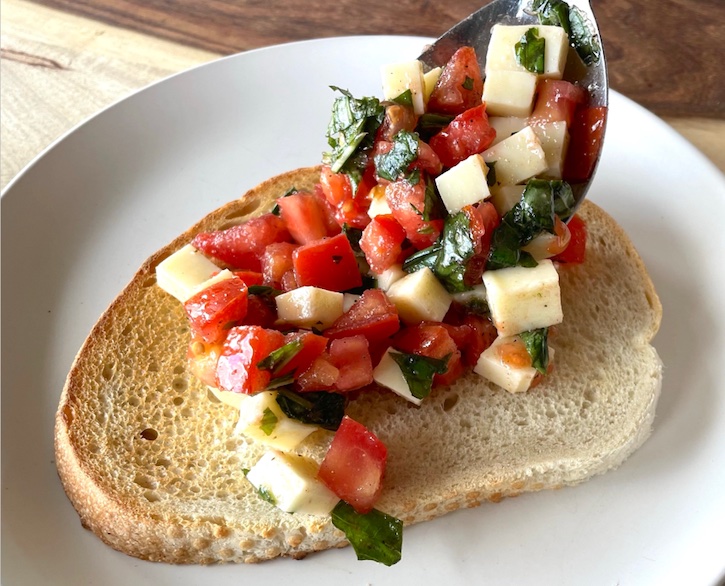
(660,52)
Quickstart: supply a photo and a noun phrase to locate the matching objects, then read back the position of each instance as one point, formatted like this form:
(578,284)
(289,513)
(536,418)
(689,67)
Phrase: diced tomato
(312,347)
(467,134)
(289,281)
(243,349)
(250,277)
(321,375)
(483,333)
(214,310)
(585,142)
(382,242)
(304,217)
(434,341)
(276,261)
(427,160)
(328,211)
(203,359)
(373,315)
(260,312)
(241,246)
(575,252)
(351,356)
(460,85)
(329,263)
(407,204)
(556,100)
(354,466)
(483,220)
(349,209)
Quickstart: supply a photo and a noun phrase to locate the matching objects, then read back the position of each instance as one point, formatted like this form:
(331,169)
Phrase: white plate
(79,221)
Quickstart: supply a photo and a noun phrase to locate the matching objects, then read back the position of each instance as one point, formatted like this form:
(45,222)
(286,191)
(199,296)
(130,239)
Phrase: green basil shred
(394,164)
(374,536)
(537,347)
(264,291)
(281,357)
(530,51)
(405,99)
(467,83)
(267,495)
(574,23)
(269,421)
(418,371)
(319,408)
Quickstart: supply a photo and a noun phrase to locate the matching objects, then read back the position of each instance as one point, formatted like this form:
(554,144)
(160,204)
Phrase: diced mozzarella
(517,158)
(463,184)
(522,298)
(182,273)
(509,93)
(419,296)
(389,375)
(378,202)
(505,126)
(390,276)
(348,300)
(504,197)
(501,54)
(399,77)
(308,307)
(554,139)
(290,482)
(262,419)
(430,80)
(492,365)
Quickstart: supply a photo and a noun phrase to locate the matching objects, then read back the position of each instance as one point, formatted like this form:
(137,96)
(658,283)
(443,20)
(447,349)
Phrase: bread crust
(152,465)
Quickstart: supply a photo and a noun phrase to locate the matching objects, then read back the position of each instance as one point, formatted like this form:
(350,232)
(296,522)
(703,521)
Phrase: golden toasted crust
(153,467)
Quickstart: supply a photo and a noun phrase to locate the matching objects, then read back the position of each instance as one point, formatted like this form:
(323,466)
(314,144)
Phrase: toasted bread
(152,464)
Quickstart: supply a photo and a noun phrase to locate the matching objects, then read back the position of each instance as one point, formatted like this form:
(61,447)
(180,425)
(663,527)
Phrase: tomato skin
(404,199)
(312,347)
(575,252)
(260,312)
(276,261)
(586,135)
(354,466)
(250,277)
(373,315)
(321,375)
(434,341)
(243,348)
(483,219)
(351,356)
(203,359)
(483,333)
(467,134)
(382,242)
(453,94)
(303,216)
(214,309)
(329,263)
(348,208)
(242,246)
(556,101)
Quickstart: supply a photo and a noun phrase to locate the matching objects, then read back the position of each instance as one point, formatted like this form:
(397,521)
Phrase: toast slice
(151,462)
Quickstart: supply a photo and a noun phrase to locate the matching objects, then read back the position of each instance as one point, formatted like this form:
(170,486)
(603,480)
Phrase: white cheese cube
(505,126)
(390,276)
(262,419)
(517,158)
(430,80)
(509,93)
(289,481)
(464,184)
(348,300)
(309,307)
(183,272)
(389,375)
(501,54)
(378,202)
(500,363)
(522,298)
(554,139)
(504,197)
(399,77)
(419,296)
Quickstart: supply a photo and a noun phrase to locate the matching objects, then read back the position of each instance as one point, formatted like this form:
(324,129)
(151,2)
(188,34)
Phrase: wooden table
(64,60)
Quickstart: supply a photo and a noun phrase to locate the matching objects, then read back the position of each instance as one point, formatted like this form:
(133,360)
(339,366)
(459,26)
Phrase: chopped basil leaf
(530,51)
(428,257)
(269,421)
(264,291)
(405,99)
(537,347)
(394,163)
(430,124)
(323,409)
(574,23)
(418,371)
(413,177)
(434,207)
(467,83)
(374,536)
(351,133)
(280,381)
(491,175)
(533,214)
(281,357)
(276,210)
(267,495)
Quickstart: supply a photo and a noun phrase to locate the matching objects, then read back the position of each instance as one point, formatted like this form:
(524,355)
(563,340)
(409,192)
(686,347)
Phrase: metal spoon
(475,31)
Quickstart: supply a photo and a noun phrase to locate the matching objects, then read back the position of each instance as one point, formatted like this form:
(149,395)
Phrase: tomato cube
(354,465)
(276,261)
(250,277)
(382,242)
(460,85)
(586,135)
(304,216)
(556,101)
(575,252)
(349,208)
(329,263)
(321,375)
(373,315)
(260,312)
(311,347)
(214,310)
(467,134)
(433,341)
(351,356)
(243,349)
(407,204)
(203,359)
